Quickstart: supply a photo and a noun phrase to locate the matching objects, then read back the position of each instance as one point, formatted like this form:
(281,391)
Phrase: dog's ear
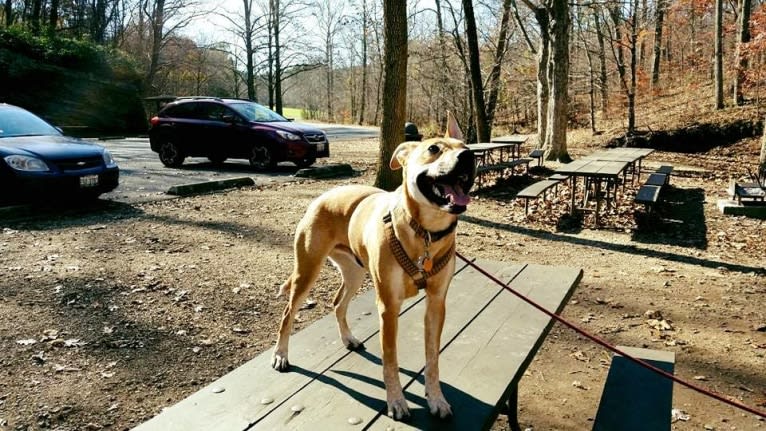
(398,159)
(453,130)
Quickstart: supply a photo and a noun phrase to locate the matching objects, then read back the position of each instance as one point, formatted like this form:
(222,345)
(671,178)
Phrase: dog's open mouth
(449,191)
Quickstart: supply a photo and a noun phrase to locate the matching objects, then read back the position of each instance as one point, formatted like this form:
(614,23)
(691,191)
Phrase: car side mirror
(289,119)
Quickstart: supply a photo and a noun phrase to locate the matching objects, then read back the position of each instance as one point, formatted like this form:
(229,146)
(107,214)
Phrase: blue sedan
(37,162)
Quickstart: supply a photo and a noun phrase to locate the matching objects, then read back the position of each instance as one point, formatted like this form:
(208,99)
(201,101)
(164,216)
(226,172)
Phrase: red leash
(614,349)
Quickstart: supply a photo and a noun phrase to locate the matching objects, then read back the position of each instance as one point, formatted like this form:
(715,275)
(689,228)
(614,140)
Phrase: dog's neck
(423,223)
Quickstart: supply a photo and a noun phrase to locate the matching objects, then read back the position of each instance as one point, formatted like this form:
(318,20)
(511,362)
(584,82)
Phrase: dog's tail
(284,288)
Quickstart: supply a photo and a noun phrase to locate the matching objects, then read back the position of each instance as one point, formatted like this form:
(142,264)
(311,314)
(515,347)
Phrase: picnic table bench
(649,193)
(534,191)
(635,398)
(751,191)
(490,337)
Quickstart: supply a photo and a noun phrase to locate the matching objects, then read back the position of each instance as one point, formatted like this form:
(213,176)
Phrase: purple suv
(231,128)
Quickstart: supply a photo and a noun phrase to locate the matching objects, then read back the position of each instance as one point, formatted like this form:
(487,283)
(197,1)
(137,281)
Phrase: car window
(18,122)
(211,111)
(183,110)
(256,112)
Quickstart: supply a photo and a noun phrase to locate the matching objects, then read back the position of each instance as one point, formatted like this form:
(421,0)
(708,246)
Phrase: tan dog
(359,227)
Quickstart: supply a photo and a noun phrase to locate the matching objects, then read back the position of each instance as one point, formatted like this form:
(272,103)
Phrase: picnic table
(515,140)
(597,173)
(490,337)
(496,157)
(634,156)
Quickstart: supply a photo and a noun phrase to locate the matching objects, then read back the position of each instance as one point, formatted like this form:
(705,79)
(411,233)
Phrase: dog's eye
(434,149)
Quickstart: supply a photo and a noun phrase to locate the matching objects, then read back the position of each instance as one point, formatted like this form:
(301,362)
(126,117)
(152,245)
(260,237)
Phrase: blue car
(38,163)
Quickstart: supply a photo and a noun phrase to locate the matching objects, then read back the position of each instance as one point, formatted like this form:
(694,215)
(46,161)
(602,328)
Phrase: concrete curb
(731,207)
(327,171)
(209,186)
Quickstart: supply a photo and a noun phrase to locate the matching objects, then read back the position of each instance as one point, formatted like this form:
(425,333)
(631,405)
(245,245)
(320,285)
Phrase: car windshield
(18,122)
(256,112)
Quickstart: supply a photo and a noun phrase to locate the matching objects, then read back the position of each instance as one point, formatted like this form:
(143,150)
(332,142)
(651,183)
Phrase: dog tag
(425,263)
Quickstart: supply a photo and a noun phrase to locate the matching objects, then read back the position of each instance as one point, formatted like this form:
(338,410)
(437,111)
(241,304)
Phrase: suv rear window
(183,110)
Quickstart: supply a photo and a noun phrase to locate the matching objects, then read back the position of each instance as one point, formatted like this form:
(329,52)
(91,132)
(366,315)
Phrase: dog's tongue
(456,195)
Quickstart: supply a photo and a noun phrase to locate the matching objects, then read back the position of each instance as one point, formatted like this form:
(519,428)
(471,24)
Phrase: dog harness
(424,267)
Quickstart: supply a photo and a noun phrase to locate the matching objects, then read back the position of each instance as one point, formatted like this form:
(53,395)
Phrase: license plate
(320,147)
(89,181)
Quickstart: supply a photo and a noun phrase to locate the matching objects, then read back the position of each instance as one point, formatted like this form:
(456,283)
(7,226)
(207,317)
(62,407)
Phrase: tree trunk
(556,135)
(633,72)
(37,6)
(394,90)
(158,26)
(591,71)
(741,60)
(493,84)
(477,84)
(277,59)
(249,66)
(762,159)
(602,78)
(543,91)
(8,13)
(442,67)
(718,54)
(363,100)
(658,19)
(53,19)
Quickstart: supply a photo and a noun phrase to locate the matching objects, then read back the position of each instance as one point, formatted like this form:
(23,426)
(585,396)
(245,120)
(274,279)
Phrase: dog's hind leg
(352,273)
(310,253)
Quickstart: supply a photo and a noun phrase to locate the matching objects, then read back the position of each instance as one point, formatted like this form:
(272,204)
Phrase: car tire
(217,160)
(305,163)
(261,158)
(170,155)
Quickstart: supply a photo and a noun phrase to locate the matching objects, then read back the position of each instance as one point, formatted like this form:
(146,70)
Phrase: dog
(404,239)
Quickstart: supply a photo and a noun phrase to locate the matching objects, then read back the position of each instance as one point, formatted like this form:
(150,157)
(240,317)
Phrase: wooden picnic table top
(488,146)
(593,168)
(489,338)
(511,139)
(636,152)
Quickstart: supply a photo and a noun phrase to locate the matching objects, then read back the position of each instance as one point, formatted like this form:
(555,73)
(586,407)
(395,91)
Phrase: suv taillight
(154,121)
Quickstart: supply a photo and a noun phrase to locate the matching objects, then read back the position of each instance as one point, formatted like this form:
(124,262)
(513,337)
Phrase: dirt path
(109,316)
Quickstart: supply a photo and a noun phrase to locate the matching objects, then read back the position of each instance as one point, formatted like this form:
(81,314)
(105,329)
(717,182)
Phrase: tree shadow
(678,219)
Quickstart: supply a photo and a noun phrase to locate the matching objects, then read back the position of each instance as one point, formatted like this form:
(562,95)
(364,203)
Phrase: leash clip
(425,263)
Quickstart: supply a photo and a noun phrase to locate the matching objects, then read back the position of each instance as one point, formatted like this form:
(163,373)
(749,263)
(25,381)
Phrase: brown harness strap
(418,275)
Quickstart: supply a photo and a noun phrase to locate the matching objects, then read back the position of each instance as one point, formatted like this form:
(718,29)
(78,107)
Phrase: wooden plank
(635,398)
(353,388)
(482,365)
(647,194)
(656,179)
(312,350)
(536,189)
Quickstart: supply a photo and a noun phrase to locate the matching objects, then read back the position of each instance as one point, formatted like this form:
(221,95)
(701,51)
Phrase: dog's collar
(421,231)
(419,272)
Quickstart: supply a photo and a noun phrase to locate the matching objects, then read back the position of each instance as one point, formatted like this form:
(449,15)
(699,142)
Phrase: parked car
(232,128)
(38,162)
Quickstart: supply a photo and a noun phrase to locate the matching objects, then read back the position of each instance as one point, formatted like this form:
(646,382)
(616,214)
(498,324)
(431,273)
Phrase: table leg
(598,199)
(513,409)
(574,190)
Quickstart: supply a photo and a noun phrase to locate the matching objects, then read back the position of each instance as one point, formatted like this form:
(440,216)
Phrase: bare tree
(659,17)
(477,84)
(741,60)
(330,15)
(394,90)
(558,77)
(365,37)
(718,54)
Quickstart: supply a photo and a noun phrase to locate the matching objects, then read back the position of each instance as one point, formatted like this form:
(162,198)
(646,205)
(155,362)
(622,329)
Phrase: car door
(179,124)
(219,134)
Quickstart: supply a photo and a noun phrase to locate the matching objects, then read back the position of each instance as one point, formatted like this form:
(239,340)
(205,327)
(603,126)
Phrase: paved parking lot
(143,177)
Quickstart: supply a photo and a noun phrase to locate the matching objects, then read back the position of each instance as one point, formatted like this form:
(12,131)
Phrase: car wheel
(305,163)
(261,158)
(170,155)
(217,160)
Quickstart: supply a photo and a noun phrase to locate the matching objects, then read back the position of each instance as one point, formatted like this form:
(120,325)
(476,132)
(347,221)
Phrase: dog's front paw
(397,408)
(353,344)
(439,406)
(279,362)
